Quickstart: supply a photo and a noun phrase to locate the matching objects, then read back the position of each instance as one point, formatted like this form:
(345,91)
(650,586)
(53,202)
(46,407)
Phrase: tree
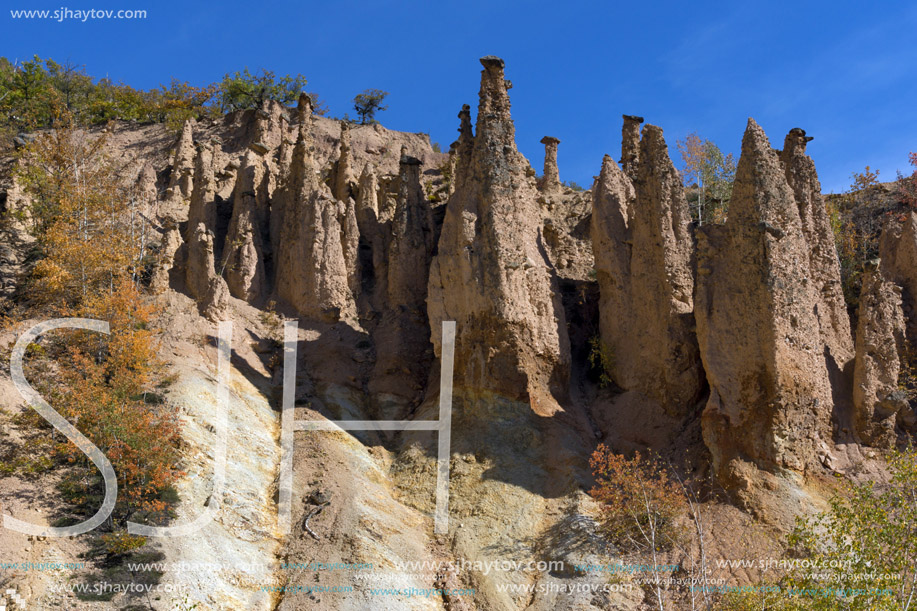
(72,82)
(319,107)
(857,223)
(29,99)
(92,245)
(644,503)
(859,555)
(368,103)
(712,172)
(246,90)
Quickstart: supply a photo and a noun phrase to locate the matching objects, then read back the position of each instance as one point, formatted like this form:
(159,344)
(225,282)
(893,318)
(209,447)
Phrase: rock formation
(344,182)
(630,145)
(180,179)
(823,262)
(879,338)
(898,251)
(551,179)
(403,336)
(464,146)
(269,127)
(770,398)
(201,220)
(643,248)
(350,243)
(411,242)
(371,243)
(211,292)
(490,274)
(243,255)
(613,201)
(311,271)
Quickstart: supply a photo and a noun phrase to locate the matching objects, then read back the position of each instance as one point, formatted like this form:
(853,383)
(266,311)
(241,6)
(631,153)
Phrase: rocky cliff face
(644,262)
(898,252)
(743,321)
(491,274)
(830,310)
(770,397)
(879,340)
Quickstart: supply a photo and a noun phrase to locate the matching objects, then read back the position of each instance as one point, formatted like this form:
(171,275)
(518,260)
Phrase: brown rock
(311,271)
(630,145)
(215,304)
(643,249)
(898,251)
(180,179)
(770,398)
(403,335)
(201,223)
(880,336)
(551,179)
(613,201)
(243,256)
(490,275)
(209,290)
(823,261)
(269,127)
(412,240)
(345,183)
(463,147)
(350,243)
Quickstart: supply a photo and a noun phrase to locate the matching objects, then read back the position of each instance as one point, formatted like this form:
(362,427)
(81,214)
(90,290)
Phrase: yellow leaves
(89,229)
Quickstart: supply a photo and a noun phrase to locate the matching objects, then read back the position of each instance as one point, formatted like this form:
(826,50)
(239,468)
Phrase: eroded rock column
(491,275)
(243,256)
(770,397)
(630,145)
(823,261)
(643,250)
(551,179)
(880,336)
(311,270)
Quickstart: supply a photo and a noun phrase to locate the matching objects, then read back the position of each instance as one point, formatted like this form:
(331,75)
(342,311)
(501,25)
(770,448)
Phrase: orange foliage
(92,241)
(640,501)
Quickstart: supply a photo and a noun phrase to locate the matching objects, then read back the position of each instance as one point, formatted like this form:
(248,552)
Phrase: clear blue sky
(844,71)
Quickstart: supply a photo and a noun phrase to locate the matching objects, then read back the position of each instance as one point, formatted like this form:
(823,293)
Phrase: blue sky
(844,71)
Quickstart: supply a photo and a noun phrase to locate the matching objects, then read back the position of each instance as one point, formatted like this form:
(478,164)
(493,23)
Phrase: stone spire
(879,340)
(312,273)
(898,250)
(551,179)
(630,145)
(770,400)
(461,149)
(412,239)
(345,183)
(267,134)
(490,274)
(243,256)
(823,261)
(180,180)
(643,250)
(201,219)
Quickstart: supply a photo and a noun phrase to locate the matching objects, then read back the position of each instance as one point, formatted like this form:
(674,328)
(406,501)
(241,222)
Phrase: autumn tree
(92,236)
(368,103)
(647,508)
(712,173)
(90,227)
